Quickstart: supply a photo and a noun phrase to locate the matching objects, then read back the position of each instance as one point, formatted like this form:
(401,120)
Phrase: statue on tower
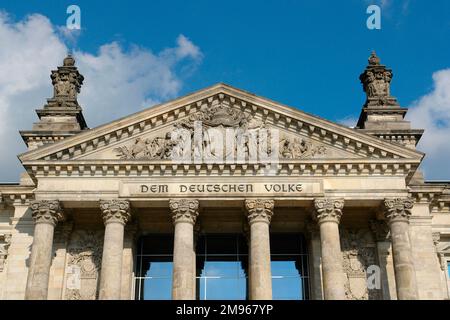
(376,80)
(66,82)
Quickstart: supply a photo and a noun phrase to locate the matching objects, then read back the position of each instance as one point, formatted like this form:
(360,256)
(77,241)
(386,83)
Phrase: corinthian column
(116,214)
(259,214)
(46,215)
(328,214)
(397,212)
(184,214)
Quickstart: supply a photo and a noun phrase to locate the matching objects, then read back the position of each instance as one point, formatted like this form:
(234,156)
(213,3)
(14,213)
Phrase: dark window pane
(157,244)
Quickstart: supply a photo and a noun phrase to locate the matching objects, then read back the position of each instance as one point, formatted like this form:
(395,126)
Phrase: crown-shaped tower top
(376,80)
(66,82)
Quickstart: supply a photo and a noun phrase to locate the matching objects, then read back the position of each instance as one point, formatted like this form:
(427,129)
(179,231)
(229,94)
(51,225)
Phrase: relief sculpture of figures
(299,148)
(148,149)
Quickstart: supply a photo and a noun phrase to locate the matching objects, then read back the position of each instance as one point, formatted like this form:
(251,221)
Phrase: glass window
(221,267)
(289,268)
(448,269)
(154,268)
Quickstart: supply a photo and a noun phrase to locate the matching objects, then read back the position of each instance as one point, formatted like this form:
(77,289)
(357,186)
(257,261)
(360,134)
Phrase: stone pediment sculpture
(160,133)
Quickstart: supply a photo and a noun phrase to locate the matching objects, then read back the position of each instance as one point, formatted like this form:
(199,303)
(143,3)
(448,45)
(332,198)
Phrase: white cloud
(117,81)
(432,113)
(349,121)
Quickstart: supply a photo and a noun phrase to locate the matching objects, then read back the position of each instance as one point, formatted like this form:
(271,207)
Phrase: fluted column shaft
(397,212)
(259,214)
(184,214)
(115,213)
(46,215)
(328,214)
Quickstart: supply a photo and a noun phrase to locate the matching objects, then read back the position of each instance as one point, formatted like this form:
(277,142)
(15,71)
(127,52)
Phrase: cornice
(317,167)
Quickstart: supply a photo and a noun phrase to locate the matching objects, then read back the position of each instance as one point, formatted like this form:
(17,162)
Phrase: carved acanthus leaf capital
(184,210)
(47,211)
(397,209)
(115,211)
(328,210)
(259,210)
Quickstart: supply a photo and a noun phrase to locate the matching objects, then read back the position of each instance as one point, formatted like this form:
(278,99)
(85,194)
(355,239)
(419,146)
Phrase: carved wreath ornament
(184,210)
(259,210)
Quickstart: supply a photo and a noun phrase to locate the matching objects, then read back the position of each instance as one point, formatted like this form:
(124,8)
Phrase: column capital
(184,210)
(259,210)
(115,211)
(47,211)
(397,209)
(328,210)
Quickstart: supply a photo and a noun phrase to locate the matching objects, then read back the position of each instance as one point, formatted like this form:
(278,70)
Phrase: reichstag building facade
(222,194)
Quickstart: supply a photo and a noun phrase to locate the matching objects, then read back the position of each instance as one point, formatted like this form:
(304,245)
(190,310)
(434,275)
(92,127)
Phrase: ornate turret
(376,80)
(62,115)
(381,115)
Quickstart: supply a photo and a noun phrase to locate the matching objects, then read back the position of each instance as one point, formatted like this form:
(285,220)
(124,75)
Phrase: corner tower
(62,116)
(381,115)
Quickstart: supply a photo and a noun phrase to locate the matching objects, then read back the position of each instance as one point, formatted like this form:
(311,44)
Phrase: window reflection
(221,265)
(289,261)
(154,268)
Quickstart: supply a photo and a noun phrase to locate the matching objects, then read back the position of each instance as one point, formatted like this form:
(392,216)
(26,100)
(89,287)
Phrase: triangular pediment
(148,135)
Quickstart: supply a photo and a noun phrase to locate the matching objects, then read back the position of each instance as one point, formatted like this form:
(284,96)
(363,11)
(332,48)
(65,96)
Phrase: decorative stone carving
(46,211)
(380,230)
(298,148)
(148,149)
(359,252)
(376,80)
(115,211)
(5,242)
(259,210)
(220,113)
(83,266)
(328,210)
(184,210)
(67,80)
(397,209)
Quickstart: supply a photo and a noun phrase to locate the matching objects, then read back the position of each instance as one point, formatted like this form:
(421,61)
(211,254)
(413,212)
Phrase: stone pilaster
(58,267)
(46,214)
(259,214)
(380,231)
(115,213)
(397,212)
(313,237)
(184,214)
(328,214)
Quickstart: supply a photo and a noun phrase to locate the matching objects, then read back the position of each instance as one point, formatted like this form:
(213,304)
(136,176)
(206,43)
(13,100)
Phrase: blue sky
(307,54)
